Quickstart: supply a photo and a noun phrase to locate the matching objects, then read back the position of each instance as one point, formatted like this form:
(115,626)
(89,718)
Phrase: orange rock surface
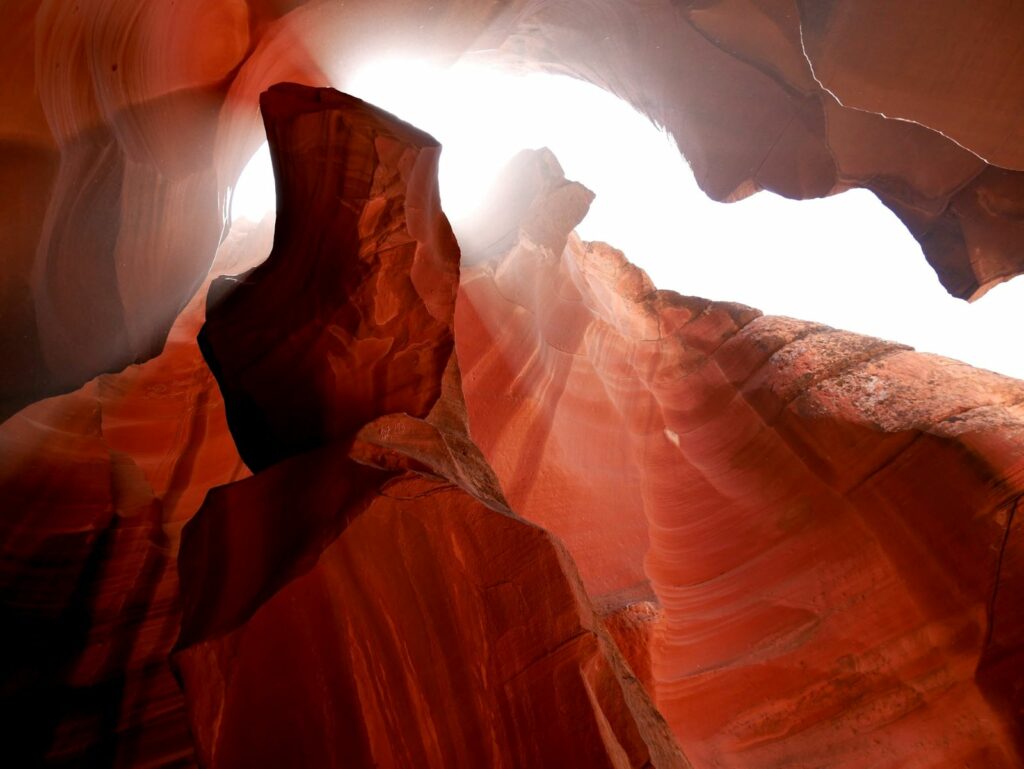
(525,526)
(122,123)
(434,631)
(830,517)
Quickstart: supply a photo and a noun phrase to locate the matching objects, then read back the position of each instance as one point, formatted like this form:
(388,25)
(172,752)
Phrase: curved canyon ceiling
(389,497)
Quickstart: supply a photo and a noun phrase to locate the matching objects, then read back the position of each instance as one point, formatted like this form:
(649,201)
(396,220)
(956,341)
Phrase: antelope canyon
(356,486)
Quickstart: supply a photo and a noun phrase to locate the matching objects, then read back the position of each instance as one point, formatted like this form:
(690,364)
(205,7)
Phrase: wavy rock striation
(829,518)
(95,487)
(124,129)
(804,544)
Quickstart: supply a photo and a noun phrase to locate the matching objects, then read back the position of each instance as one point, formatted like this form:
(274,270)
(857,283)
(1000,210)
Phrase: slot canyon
(352,487)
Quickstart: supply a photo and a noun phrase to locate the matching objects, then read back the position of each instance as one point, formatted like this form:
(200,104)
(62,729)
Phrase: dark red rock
(94,488)
(409,618)
(433,631)
(360,284)
(632,618)
(829,523)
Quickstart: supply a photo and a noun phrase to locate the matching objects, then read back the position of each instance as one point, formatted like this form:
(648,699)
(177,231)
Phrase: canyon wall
(827,520)
(122,123)
(368,598)
(543,496)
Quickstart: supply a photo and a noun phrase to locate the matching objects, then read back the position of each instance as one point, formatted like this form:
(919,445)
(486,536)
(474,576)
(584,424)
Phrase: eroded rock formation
(121,123)
(435,627)
(827,520)
(95,487)
(799,544)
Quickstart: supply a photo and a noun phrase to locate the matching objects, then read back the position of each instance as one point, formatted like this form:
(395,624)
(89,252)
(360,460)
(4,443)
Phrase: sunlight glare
(845,261)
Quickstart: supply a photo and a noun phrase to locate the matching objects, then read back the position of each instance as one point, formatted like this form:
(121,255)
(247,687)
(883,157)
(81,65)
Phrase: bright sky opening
(845,261)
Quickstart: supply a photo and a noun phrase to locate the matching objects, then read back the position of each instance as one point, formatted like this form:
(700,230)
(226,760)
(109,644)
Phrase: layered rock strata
(827,520)
(124,129)
(805,543)
(95,487)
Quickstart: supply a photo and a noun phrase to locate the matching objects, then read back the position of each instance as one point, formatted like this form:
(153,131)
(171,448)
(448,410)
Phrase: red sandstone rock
(408,617)
(941,72)
(360,286)
(867,55)
(830,517)
(546,388)
(124,128)
(94,488)
(829,522)
(433,632)
(632,618)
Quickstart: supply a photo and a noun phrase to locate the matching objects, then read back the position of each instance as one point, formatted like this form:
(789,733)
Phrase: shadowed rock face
(437,627)
(801,544)
(95,487)
(361,282)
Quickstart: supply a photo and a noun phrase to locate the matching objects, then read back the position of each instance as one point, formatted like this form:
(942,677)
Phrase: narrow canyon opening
(845,261)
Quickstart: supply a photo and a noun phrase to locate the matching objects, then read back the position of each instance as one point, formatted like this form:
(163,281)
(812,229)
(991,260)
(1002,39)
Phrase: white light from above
(845,261)
(254,195)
